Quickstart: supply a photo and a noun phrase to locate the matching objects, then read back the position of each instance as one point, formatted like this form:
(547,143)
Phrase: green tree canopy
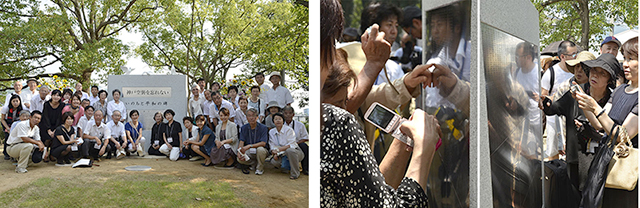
(80,35)
(206,38)
(585,22)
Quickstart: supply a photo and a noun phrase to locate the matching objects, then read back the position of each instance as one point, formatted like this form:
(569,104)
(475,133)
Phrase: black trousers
(112,146)
(153,151)
(6,137)
(57,152)
(305,162)
(87,149)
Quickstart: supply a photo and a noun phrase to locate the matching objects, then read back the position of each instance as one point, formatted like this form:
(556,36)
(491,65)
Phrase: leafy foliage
(207,38)
(77,35)
(585,22)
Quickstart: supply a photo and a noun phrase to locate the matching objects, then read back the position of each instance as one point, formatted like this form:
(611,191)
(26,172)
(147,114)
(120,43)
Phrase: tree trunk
(584,19)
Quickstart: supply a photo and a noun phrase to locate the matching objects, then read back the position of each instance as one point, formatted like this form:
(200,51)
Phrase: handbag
(623,168)
(594,187)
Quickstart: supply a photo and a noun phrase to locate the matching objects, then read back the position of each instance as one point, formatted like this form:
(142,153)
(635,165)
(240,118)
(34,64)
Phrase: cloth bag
(598,171)
(623,168)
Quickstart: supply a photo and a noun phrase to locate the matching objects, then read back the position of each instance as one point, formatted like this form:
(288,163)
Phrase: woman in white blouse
(118,105)
(282,140)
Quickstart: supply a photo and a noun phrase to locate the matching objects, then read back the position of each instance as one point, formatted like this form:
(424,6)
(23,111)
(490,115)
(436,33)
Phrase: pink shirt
(77,116)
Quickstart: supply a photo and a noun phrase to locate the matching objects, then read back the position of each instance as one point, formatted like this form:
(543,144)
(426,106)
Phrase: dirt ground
(272,189)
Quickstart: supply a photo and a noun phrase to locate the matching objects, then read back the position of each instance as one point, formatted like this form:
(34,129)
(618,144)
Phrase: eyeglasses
(573,55)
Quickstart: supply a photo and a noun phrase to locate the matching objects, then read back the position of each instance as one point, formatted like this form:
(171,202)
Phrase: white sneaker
(120,155)
(259,172)
(21,170)
(63,165)
(196,158)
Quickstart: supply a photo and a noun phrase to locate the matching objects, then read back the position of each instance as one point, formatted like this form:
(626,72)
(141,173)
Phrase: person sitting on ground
(65,138)
(116,104)
(232,93)
(284,148)
(133,129)
(96,137)
(241,116)
(172,136)
(273,109)
(256,102)
(22,141)
(102,103)
(118,140)
(75,108)
(192,135)
(205,142)
(253,139)
(226,144)
(156,135)
(10,114)
(302,136)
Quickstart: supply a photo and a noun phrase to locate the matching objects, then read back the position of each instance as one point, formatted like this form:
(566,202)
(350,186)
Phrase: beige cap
(582,56)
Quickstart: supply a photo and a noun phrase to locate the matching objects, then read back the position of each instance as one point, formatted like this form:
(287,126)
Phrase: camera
(387,121)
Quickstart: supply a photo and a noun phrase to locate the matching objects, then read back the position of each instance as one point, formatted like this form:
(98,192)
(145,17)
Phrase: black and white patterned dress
(349,174)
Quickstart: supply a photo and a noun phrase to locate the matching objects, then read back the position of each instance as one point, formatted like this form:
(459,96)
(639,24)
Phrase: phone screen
(381,116)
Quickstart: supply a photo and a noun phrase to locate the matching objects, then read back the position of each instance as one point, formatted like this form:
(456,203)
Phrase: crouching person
(118,139)
(96,137)
(284,148)
(253,139)
(65,137)
(172,135)
(23,141)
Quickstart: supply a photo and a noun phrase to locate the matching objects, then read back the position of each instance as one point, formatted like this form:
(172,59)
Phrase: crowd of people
(604,98)
(41,125)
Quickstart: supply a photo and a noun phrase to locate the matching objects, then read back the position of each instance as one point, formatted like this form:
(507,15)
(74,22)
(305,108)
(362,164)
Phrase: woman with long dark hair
(10,114)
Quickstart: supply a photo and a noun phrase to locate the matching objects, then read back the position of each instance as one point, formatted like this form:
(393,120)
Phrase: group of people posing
(62,126)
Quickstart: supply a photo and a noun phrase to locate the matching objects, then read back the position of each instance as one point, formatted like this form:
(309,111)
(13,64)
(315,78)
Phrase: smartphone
(388,121)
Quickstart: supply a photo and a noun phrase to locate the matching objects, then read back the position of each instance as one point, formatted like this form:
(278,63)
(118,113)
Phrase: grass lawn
(118,190)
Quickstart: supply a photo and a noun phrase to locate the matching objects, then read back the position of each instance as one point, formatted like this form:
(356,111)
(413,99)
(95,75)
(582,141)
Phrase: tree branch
(547,3)
(26,58)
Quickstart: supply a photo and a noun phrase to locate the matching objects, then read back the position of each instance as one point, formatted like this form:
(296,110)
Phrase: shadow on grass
(118,190)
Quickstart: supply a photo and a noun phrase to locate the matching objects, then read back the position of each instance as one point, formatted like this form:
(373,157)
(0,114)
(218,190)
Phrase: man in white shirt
(203,85)
(264,87)
(23,139)
(195,102)
(206,103)
(567,50)
(278,93)
(37,102)
(31,92)
(84,94)
(84,120)
(219,103)
(96,137)
(118,136)
(94,95)
(116,104)
(302,136)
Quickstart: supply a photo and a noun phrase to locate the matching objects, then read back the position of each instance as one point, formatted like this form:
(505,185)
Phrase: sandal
(245,171)
(205,165)
(293,178)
